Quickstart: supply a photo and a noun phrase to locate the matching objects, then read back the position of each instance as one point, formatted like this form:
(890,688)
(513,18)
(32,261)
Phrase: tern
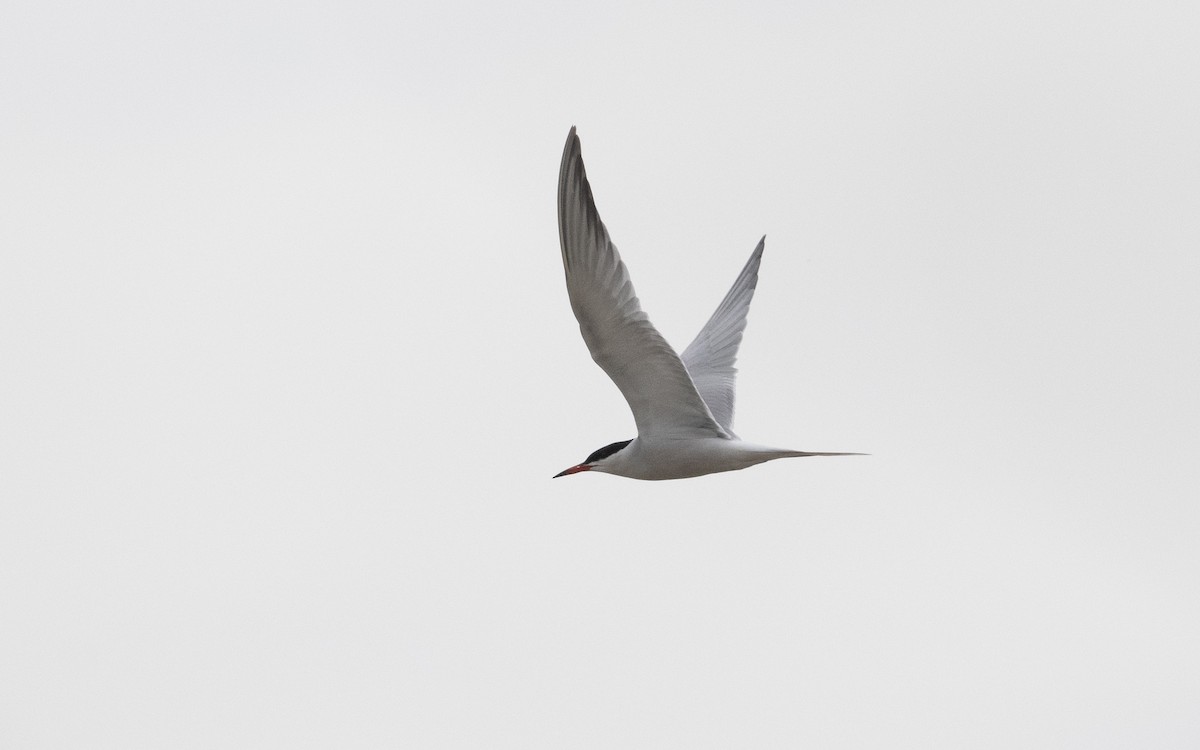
(682,404)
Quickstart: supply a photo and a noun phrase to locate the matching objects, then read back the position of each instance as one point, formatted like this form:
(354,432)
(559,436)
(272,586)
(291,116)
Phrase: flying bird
(682,404)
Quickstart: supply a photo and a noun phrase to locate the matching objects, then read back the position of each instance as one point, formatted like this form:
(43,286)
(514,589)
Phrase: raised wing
(710,358)
(621,338)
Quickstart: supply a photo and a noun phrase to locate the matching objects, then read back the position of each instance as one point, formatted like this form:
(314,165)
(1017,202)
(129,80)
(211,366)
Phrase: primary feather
(711,356)
(622,340)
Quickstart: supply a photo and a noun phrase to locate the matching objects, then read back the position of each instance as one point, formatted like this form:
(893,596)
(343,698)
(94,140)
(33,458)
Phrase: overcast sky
(287,363)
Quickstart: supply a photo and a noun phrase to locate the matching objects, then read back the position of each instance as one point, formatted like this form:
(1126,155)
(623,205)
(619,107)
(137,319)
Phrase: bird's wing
(710,358)
(621,338)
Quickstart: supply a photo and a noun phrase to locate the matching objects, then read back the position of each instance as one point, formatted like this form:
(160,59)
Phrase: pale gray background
(287,364)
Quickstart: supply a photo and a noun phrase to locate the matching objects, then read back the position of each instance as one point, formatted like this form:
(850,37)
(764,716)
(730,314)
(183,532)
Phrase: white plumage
(682,406)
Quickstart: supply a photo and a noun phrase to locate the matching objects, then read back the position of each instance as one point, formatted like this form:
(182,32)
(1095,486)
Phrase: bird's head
(598,461)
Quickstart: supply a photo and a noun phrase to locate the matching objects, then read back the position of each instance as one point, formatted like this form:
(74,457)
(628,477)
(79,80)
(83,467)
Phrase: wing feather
(618,333)
(710,358)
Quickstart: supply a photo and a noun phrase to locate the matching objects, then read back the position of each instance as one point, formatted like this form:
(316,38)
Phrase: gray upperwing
(710,358)
(621,338)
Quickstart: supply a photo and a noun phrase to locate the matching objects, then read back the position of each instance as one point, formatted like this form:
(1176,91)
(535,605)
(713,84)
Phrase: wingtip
(756,254)
(571,147)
